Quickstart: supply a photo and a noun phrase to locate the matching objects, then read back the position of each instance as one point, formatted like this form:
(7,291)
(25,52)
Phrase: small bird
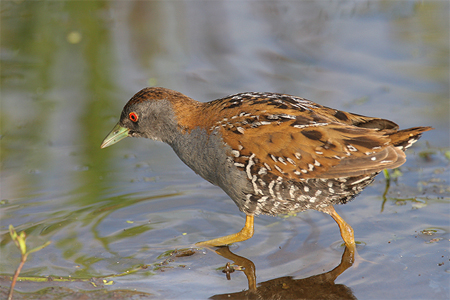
(271,153)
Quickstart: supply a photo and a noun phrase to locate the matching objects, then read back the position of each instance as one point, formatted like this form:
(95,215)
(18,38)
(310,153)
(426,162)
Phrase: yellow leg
(346,230)
(244,234)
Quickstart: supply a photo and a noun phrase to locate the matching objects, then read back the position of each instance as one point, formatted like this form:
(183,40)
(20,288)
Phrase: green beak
(117,133)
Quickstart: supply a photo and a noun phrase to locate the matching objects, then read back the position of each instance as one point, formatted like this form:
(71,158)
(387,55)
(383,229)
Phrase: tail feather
(403,139)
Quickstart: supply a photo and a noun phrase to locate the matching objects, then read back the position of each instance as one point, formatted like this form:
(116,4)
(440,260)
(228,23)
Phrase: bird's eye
(133,117)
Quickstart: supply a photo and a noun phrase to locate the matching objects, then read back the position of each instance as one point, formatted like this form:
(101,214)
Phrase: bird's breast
(211,158)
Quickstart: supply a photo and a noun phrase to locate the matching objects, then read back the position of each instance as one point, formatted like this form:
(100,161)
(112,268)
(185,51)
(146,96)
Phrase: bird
(271,153)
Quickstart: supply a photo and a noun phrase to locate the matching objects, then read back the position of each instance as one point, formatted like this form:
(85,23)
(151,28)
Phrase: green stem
(13,283)
(386,189)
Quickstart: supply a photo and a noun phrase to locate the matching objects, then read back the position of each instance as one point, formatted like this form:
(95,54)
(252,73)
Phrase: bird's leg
(346,230)
(244,234)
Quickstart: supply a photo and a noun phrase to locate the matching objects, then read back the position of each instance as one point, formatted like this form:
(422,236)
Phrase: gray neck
(205,154)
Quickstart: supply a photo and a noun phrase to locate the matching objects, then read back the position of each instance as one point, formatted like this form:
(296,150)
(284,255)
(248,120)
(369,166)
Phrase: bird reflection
(320,286)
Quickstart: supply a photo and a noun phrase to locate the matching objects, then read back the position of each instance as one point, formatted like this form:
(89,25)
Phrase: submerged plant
(20,241)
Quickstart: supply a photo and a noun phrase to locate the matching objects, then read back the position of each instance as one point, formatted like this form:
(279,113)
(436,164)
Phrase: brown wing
(326,151)
(306,141)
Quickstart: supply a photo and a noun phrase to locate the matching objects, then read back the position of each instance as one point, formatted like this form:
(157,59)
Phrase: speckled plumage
(271,153)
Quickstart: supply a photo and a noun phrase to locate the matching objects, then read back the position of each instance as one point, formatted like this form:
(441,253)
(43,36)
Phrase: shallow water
(69,67)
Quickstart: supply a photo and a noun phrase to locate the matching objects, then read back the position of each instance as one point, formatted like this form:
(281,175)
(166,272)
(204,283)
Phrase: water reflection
(319,286)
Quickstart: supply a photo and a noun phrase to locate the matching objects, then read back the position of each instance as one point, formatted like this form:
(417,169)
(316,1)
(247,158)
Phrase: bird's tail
(403,139)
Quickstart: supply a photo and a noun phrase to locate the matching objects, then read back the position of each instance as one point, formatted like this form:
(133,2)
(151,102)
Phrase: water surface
(114,215)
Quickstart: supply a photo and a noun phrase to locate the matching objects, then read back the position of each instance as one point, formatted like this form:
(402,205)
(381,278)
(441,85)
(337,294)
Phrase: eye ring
(133,117)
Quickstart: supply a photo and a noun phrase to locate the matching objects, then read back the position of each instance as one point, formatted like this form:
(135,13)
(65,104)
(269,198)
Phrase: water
(69,67)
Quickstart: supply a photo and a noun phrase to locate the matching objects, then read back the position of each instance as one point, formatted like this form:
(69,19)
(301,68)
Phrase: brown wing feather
(295,138)
(305,145)
(319,152)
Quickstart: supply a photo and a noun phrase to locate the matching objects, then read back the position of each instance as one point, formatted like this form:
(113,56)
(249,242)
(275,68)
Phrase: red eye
(133,117)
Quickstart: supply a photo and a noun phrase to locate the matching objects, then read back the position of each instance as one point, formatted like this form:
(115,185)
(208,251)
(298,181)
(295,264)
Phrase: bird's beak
(117,133)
